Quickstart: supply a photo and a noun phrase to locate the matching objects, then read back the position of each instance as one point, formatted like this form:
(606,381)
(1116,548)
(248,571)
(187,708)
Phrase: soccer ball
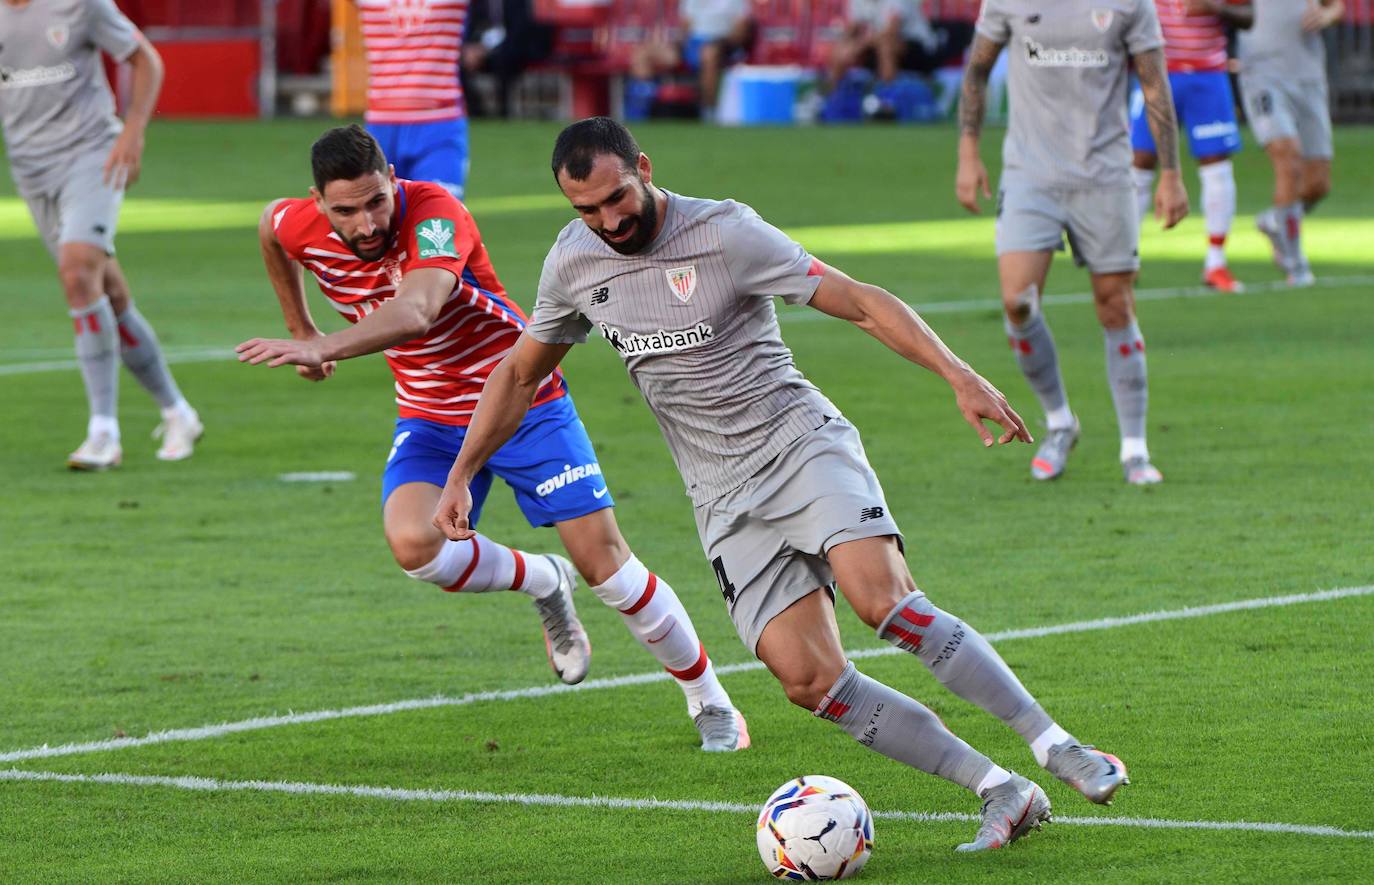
(815,828)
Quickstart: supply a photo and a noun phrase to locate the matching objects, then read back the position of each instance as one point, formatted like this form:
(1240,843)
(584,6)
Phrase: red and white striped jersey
(1192,42)
(412,59)
(440,374)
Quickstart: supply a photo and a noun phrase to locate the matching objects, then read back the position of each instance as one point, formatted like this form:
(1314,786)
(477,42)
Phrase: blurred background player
(1283,81)
(503,38)
(891,36)
(415,104)
(717,32)
(404,262)
(787,506)
(71,159)
(1195,50)
(1066,170)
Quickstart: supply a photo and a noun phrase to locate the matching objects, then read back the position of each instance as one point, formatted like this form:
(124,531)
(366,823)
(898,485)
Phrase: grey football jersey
(54,98)
(1067,85)
(1277,46)
(692,316)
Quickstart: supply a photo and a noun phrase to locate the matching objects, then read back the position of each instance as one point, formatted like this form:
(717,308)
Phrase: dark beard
(375,254)
(644,224)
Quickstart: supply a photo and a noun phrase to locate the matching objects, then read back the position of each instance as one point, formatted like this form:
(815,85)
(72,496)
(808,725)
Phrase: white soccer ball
(815,828)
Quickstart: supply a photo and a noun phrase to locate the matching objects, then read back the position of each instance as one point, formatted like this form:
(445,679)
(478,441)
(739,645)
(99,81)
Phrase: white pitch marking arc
(397,794)
(206,732)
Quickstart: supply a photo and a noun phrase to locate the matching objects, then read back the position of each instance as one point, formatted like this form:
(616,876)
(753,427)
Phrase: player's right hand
(969,181)
(1171,199)
(317,373)
(979,401)
(451,515)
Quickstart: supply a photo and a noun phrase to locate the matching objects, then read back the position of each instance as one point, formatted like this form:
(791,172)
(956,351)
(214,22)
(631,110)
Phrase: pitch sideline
(206,732)
(395,794)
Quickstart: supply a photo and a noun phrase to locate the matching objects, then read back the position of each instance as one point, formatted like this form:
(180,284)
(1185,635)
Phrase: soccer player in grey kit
(787,506)
(1066,169)
(71,159)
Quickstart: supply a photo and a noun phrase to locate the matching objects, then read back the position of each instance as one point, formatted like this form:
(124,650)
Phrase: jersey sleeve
(556,318)
(288,223)
(111,30)
(994,22)
(1143,32)
(437,232)
(764,261)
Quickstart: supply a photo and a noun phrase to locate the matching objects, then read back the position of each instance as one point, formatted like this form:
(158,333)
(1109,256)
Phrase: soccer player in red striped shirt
(403,262)
(1195,50)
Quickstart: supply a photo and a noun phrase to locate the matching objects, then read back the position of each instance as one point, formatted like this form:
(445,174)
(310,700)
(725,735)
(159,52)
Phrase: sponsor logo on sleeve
(662,341)
(683,281)
(435,236)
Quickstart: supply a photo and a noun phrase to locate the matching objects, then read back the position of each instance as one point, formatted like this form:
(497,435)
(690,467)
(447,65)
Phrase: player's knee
(807,687)
(80,276)
(1020,305)
(414,547)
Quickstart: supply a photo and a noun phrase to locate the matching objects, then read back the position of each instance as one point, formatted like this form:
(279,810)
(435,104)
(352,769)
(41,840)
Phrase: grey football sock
(900,728)
(1290,223)
(139,348)
(1033,345)
(97,356)
(1126,374)
(964,662)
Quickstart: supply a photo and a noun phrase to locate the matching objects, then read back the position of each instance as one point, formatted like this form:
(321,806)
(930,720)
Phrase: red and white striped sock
(480,565)
(655,616)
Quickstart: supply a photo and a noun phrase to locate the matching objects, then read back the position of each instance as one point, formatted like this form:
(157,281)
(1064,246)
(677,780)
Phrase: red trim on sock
(644,598)
(126,336)
(76,325)
(519,570)
(1024,346)
(913,639)
(93,323)
(457,586)
(694,671)
(1140,346)
(1293,227)
(1217,239)
(1125,349)
(911,616)
(831,708)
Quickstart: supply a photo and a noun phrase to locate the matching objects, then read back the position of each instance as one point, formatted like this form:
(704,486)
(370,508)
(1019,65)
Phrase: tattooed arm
(972,177)
(1171,200)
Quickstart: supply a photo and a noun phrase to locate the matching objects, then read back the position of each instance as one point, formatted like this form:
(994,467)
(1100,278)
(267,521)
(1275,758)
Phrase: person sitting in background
(503,39)
(718,32)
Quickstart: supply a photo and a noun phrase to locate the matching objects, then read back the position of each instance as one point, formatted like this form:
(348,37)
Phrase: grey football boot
(1010,811)
(1053,454)
(1095,774)
(1140,472)
(570,652)
(723,729)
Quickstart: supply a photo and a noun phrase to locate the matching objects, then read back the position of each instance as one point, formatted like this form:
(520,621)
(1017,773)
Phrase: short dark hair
(346,152)
(581,143)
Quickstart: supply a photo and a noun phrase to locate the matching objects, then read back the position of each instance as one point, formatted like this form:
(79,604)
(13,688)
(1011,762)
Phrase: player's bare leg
(1114,298)
(875,580)
(481,565)
(801,647)
(1023,277)
(712,61)
(142,354)
(1316,182)
(1282,222)
(655,616)
(81,267)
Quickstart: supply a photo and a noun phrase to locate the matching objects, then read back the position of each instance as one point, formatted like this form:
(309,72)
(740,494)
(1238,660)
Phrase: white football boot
(100,451)
(179,433)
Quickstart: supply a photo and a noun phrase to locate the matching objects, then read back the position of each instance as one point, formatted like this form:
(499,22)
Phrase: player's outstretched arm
(900,329)
(505,399)
(972,177)
(285,277)
(1171,199)
(125,161)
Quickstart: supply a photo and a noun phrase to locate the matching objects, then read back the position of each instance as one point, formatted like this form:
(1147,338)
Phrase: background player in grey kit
(1283,82)
(71,160)
(786,504)
(1066,169)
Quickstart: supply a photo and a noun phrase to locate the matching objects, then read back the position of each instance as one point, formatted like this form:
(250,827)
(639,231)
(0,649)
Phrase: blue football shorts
(549,464)
(436,152)
(1206,108)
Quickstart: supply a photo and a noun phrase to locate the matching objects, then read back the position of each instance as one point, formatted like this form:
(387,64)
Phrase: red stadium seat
(780,28)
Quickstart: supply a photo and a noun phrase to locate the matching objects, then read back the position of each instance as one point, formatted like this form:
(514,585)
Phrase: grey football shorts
(1102,223)
(1298,109)
(81,208)
(767,540)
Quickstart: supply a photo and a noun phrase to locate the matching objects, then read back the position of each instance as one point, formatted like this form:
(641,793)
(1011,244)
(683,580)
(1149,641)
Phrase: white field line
(212,354)
(395,794)
(206,732)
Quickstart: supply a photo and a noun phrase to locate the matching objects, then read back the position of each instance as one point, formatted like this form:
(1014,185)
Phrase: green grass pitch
(170,596)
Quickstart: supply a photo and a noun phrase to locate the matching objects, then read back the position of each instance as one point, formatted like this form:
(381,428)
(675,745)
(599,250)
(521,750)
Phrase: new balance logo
(601,296)
(870,513)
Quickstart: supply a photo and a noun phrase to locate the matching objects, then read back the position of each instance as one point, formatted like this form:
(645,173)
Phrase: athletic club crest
(1102,19)
(683,281)
(409,15)
(57,36)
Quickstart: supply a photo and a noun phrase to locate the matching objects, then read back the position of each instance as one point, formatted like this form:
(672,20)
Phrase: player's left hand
(979,401)
(281,352)
(1171,199)
(125,160)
